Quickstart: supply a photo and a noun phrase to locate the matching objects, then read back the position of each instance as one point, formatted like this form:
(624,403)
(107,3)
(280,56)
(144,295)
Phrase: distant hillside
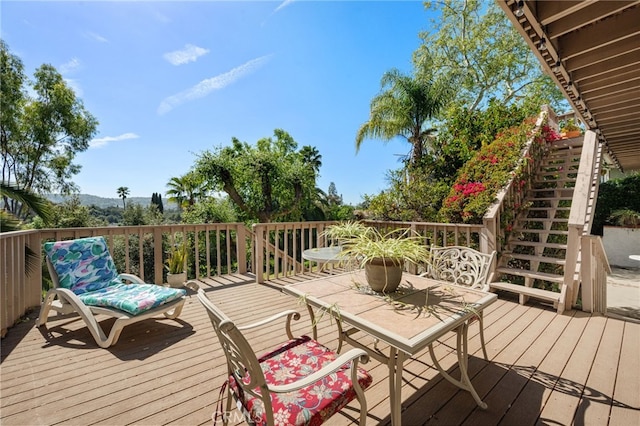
(88,200)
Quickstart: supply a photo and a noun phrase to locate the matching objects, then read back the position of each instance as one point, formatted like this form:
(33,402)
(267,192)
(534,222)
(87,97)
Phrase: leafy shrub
(482,177)
(616,194)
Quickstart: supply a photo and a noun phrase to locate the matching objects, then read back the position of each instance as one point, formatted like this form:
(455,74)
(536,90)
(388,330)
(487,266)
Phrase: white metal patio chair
(299,382)
(86,282)
(462,266)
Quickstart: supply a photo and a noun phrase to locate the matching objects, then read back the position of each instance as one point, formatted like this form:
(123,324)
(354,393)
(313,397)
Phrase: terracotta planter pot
(384,275)
(570,134)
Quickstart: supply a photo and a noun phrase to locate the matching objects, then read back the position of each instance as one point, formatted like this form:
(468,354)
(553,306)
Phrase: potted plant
(569,129)
(344,231)
(176,274)
(382,255)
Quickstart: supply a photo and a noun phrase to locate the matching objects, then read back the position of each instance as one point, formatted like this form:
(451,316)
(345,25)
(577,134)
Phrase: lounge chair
(299,382)
(86,282)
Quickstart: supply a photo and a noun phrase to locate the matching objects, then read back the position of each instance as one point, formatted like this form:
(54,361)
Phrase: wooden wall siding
(545,368)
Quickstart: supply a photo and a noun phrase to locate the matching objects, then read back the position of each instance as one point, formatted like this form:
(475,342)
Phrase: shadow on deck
(545,368)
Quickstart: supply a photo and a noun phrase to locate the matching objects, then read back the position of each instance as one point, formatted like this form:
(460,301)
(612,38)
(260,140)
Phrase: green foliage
(156,199)
(42,130)
(416,199)
(369,243)
(212,210)
(39,206)
(111,215)
(269,181)
(626,217)
(569,125)
(473,45)
(616,194)
(465,131)
(176,259)
(72,214)
(481,178)
(404,108)
(133,215)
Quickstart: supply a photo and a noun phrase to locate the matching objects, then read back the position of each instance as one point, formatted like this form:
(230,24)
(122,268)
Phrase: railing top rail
(427,224)
(13,234)
(582,189)
(494,209)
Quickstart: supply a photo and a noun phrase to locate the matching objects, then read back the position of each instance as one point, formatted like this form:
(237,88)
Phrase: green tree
(312,157)
(134,215)
(211,210)
(269,181)
(186,190)
(472,44)
(123,191)
(41,131)
(156,200)
(404,108)
(72,214)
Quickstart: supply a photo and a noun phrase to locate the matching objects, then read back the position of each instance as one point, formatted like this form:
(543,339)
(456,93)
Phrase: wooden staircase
(533,260)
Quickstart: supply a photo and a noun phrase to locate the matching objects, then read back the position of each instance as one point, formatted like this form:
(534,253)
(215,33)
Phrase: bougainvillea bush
(482,177)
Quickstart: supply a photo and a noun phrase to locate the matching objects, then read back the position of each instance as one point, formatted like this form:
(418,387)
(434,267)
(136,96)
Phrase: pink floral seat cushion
(85,267)
(313,405)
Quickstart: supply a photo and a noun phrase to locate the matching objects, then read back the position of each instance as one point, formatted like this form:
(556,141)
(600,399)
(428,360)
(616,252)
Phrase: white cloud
(207,86)
(161,17)
(97,37)
(70,66)
(100,142)
(282,5)
(189,54)
(75,86)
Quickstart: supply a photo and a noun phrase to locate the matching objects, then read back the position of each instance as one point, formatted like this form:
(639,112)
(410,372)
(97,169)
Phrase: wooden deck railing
(503,213)
(594,268)
(213,250)
(580,215)
(279,246)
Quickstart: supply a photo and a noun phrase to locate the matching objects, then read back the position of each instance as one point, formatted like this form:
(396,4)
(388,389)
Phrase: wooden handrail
(493,237)
(578,216)
(20,291)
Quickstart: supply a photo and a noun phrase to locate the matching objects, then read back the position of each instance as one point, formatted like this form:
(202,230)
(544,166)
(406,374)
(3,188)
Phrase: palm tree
(311,156)
(403,108)
(33,203)
(123,191)
(186,190)
(8,222)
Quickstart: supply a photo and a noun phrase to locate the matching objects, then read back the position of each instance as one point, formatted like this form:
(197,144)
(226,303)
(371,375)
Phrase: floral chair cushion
(82,265)
(85,267)
(131,298)
(308,406)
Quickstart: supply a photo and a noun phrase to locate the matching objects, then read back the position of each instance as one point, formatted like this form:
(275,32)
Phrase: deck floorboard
(543,368)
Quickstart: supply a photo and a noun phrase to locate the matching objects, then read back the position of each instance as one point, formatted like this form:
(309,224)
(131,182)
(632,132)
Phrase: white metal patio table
(409,320)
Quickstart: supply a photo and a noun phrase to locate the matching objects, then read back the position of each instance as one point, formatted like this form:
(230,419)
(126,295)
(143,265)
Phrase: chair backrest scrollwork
(461,265)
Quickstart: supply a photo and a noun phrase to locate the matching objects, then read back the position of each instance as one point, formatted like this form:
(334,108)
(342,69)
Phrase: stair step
(543,219)
(567,143)
(531,274)
(539,190)
(552,199)
(555,180)
(541,209)
(537,293)
(541,259)
(540,231)
(538,244)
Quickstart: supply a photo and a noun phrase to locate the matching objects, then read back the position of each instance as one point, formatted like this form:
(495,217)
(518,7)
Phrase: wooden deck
(545,368)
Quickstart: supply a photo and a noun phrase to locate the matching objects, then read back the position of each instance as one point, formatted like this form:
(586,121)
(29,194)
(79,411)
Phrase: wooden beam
(612,30)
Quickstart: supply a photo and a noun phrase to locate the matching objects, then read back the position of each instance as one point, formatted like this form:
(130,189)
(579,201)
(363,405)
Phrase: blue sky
(168,80)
